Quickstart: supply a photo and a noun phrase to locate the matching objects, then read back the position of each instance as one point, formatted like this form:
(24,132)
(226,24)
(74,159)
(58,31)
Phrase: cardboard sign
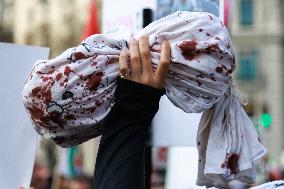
(17,137)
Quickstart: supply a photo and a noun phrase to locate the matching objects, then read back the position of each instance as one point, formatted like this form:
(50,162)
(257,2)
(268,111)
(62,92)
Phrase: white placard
(174,127)
(17,137)
(124,15)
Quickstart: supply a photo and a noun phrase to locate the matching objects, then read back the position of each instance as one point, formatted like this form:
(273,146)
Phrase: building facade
(56,24)
(257,33)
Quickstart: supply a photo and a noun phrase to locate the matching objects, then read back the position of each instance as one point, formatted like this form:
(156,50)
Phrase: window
(246,12)
(247,68)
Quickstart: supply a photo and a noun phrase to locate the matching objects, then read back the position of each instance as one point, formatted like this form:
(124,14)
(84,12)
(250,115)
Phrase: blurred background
(257,31)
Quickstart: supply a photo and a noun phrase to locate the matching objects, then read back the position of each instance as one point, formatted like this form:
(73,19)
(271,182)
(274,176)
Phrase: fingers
(140,63)
(123,67)
(145,56)
(135,64)
(163,67)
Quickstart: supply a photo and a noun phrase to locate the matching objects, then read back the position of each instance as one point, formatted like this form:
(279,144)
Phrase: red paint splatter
(98,103)
(213,48)
(92,110)
(233,163)
(67,71)
(43,93)
(79,55)
(58,76)
(94,80)
(56,118)
(37,115)
(219,69)
(230,71)
(49,72)
(70,117)
(94,63)
(189,50)
(35,91)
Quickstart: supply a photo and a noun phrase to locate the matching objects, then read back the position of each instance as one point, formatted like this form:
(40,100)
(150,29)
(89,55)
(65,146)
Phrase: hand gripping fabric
(69,96)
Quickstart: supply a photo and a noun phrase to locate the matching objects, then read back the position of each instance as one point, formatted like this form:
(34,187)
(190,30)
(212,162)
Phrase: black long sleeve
(120,160)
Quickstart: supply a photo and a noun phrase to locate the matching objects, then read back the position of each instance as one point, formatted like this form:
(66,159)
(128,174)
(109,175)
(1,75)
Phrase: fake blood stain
(94,80)
(58,76)
(233,163)
(79,55)
(67,71)
(188,49)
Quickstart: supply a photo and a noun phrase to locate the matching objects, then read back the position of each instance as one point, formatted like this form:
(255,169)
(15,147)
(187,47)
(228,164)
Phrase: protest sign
(17,137)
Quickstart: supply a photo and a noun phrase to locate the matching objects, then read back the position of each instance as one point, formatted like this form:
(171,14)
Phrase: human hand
(140,63)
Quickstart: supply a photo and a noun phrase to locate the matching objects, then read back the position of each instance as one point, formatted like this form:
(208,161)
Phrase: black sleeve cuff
(136,101)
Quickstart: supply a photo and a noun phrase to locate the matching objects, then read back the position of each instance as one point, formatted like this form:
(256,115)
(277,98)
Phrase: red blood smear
(70,117)
(230,71)
(92,109)
(233,163)
(94,64)
(94,80)
(213,48)
(190,52)
(37,115)
(46,94)
(98,103)
(67,71)
(79,55)
(43,93)
(49,72)
(56,118)
(219,69)
(35,91)
(58,76)
(188,49)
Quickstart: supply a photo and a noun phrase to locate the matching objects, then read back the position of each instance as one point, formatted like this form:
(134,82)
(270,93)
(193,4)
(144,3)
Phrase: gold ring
(123,76)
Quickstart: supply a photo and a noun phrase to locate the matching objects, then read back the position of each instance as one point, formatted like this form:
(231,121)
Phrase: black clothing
(120,161)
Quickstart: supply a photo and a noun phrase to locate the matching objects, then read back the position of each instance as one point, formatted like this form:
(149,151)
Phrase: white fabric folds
(69,96)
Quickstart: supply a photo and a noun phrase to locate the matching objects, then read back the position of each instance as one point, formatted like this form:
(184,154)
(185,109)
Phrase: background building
(257,32)
(56,24)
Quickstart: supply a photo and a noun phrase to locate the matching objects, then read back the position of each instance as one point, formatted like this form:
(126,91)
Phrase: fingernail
(165,42)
